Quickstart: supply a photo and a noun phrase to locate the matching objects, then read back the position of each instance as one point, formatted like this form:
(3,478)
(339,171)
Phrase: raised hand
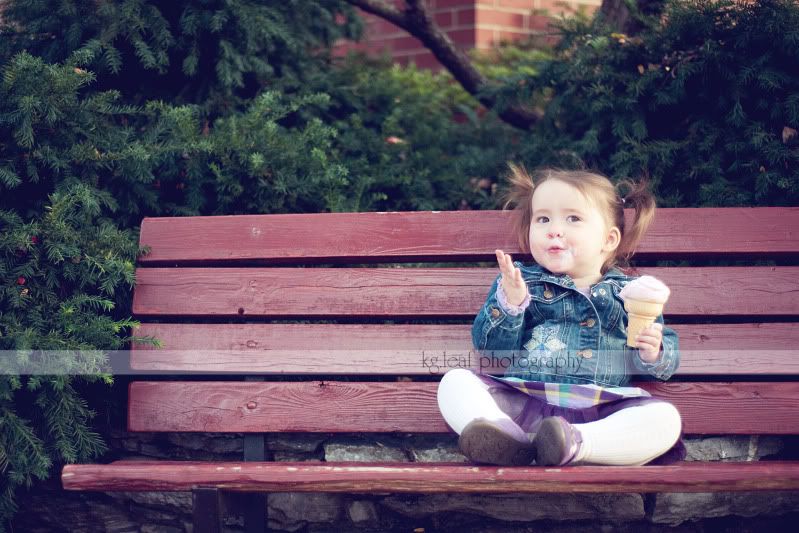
(512,283)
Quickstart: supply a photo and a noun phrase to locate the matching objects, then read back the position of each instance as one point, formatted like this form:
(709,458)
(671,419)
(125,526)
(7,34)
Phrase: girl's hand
(512,283)
(648,342)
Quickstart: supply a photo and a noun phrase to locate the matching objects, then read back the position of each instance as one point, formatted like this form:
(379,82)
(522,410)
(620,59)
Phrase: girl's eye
(573,218)
(542,220)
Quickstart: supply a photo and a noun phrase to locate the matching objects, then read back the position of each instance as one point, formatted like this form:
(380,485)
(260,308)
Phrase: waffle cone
(640,315)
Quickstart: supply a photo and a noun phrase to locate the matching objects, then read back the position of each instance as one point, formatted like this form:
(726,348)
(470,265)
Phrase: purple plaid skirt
(528,409)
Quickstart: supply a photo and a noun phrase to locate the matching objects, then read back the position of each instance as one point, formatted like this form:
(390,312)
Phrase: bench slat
(427,478)
(426,292)
(411,407)
(424,349)
(443,236)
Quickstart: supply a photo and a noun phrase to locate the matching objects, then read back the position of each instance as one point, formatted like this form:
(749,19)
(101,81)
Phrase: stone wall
(49,509)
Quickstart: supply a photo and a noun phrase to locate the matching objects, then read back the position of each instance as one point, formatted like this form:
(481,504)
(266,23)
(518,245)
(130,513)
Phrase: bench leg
(206,510)
(255,512)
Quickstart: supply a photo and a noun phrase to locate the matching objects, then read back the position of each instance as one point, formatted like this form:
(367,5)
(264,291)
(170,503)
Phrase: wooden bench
(220,292)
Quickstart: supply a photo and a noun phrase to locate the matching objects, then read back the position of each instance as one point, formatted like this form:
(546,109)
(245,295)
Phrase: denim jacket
(566,337)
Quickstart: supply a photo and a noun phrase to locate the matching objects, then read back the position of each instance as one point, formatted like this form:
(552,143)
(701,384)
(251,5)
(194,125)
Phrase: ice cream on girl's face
(568,234)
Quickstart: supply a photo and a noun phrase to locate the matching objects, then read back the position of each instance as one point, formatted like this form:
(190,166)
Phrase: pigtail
(642,201)
(518,196)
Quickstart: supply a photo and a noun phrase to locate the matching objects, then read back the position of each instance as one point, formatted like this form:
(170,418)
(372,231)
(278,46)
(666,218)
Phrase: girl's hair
(597,189)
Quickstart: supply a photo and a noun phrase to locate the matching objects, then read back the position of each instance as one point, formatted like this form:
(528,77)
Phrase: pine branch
(417,21)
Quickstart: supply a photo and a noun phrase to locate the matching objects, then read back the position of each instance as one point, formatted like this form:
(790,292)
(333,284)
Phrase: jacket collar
(537,273)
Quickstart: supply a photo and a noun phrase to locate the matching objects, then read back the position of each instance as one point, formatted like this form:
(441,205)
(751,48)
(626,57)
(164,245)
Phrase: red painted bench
(739,340)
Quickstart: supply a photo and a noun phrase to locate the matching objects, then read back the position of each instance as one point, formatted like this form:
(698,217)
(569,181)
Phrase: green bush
(704,102)
(66,267)
(410,139)
(87,149)
(84,158)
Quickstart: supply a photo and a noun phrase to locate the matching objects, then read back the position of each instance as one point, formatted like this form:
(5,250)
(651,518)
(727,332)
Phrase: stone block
(294,443)
(294,456)
(291,511)
(363,513)
(676,507)
(435,449)
(438,454)
(208,442)
(158,528)
(364,452)
(523,507)
(110,519)
(171,501)
(732,448)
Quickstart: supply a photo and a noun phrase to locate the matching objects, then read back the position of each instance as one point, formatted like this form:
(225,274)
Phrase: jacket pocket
(548,302)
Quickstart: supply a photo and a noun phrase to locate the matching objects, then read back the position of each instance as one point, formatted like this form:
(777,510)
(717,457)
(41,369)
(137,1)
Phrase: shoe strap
(577,441)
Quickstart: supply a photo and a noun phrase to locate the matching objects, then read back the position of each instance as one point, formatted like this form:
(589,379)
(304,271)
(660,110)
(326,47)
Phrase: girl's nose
(555,233)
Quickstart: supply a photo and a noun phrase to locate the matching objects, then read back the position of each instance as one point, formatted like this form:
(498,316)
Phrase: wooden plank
(425,349)
(408,407)
(427,292)
(431,478)
(443,236)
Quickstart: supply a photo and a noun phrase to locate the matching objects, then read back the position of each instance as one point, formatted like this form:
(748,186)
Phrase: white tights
(631,436)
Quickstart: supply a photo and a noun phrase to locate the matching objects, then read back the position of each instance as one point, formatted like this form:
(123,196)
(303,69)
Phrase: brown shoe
(556,442)
(496,442)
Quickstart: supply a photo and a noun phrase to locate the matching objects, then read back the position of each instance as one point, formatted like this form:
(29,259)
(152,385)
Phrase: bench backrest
(298,297)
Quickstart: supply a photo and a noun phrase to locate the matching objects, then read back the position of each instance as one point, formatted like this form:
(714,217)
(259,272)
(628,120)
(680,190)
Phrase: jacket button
(495,312)
(602,292)
(586,354)
(548,294)
(588,323)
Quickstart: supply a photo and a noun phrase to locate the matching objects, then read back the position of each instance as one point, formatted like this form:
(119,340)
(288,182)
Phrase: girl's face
(568,234)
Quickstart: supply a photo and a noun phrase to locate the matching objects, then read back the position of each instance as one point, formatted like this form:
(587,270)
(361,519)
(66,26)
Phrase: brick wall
(469,23)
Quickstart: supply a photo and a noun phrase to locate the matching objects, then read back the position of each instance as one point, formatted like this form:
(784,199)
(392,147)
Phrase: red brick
(445,19)
(441,4)
(382,28)
(517,4)
(551,39)
(483,38)
(498,18)
(539,23)
(462,37)
(512,36)
(425,60)
(403,43)
(467,17)
(556,7)
(342,48)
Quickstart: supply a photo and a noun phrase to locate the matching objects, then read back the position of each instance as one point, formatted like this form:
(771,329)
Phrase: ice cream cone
(640,315)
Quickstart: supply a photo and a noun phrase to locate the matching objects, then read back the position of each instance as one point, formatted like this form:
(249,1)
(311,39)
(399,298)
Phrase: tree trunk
(618,15)
(415,18)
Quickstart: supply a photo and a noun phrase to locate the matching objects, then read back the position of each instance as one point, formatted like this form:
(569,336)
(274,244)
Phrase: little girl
(561,323)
